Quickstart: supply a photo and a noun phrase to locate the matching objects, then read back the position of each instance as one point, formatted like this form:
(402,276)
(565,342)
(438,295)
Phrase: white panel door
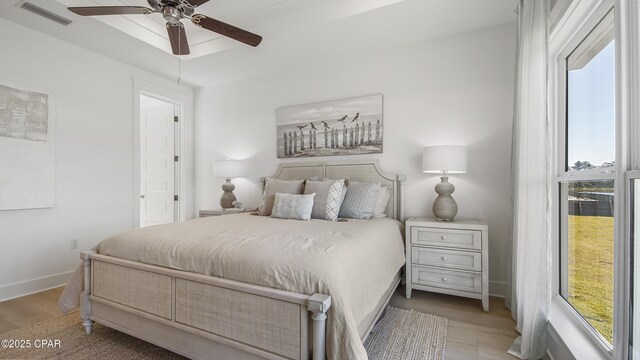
(157,173)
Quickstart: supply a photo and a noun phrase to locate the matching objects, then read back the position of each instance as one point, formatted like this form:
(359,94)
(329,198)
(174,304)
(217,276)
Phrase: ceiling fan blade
(195,3)
(227,30)
(155,4)
(110,10)
(178,39)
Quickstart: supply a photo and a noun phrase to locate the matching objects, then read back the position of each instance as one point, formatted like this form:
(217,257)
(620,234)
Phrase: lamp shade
(228,168)
(449,158)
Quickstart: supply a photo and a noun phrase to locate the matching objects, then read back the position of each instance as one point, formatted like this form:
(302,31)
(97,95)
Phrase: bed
(262,289)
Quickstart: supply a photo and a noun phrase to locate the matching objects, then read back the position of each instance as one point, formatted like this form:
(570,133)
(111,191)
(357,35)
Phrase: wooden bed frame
(205,317)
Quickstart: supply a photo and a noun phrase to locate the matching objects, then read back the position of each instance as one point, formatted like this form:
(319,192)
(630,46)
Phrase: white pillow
(380,207)
(290,206)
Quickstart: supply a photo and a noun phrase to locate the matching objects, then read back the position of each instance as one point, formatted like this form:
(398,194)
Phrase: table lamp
(227,169)
(445,159)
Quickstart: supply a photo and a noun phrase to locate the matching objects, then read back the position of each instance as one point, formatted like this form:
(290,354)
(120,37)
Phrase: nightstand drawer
(462,260)
(463,239)
(447,279)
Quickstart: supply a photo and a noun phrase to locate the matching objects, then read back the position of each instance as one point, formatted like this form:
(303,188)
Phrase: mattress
(354,262)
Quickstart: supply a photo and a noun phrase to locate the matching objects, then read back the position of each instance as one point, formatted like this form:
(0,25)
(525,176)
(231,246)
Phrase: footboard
(202,316)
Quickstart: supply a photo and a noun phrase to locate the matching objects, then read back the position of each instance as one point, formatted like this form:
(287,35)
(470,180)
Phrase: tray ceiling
(297,33)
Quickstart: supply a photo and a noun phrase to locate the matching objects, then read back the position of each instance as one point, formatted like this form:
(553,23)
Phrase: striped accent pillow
(289,206)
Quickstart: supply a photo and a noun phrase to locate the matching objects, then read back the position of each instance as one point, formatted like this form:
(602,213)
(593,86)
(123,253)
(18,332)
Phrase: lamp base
(445,207)
(227,198)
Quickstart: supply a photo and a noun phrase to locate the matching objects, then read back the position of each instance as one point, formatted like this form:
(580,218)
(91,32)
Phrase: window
(586,179)
(593,106)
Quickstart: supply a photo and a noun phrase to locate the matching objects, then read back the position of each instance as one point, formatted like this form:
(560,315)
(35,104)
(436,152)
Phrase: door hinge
(175,197)
(175,158)
(175,119)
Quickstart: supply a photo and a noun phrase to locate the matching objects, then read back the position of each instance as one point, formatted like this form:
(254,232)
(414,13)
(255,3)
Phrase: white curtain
(529,294)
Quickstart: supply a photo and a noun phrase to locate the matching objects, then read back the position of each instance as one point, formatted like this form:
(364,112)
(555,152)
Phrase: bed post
(401,179)
(85,303)
(318,304)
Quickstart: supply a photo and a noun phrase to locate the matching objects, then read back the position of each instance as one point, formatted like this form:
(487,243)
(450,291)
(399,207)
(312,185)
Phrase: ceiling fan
(174,11)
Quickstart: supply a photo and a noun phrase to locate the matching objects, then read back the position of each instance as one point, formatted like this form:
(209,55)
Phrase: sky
(591,110)
(369,108)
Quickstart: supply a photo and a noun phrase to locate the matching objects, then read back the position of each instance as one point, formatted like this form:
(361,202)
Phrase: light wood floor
(472,333)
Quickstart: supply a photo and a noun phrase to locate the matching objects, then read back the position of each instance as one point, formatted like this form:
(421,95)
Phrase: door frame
(183,99)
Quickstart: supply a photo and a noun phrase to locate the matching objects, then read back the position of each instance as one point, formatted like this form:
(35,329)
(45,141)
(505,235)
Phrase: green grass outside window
(590,260)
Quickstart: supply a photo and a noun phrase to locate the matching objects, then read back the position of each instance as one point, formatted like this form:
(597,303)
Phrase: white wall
(457,90)
(94,157)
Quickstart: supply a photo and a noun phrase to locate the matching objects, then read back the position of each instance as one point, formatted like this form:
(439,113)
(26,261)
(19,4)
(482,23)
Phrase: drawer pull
(444,258)
(444,279)
(443,237)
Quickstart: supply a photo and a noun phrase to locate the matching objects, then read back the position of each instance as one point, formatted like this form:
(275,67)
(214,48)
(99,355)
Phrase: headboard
(368,171)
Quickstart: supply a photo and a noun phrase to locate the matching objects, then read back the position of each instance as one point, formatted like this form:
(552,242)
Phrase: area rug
(403,334)
(408,335)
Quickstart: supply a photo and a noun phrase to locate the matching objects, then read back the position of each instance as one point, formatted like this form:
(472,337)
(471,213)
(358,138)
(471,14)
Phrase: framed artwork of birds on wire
(339,127)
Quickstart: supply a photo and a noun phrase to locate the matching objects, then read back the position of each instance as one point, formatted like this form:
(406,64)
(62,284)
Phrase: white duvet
(354,262)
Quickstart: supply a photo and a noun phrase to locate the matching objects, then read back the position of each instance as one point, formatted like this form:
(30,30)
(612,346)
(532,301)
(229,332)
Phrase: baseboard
(497,288)
(27,287)
(556,348)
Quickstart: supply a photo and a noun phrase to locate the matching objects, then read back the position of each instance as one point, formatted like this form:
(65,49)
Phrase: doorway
(159,156)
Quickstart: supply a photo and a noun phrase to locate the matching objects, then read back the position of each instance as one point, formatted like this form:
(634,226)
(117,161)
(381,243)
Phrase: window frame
(563,41)
(567,18)
(630,176)
(627,29)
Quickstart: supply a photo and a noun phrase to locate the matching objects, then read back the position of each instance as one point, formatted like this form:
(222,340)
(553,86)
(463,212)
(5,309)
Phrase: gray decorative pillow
(313,178)
(359,201)
(273,186)
(289,206)
(326,204)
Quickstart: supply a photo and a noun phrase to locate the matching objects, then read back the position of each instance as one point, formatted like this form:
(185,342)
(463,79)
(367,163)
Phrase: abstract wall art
(27,148)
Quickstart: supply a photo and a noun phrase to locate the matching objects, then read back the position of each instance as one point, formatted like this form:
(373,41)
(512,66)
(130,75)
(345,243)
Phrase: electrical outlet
(74,244)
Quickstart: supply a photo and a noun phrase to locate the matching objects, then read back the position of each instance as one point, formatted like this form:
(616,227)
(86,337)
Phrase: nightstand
(218,212)
(449,257)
